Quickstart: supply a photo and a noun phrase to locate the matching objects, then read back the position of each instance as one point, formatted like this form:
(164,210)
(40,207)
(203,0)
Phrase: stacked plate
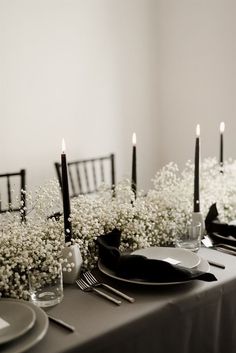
(22,325)
(176,256)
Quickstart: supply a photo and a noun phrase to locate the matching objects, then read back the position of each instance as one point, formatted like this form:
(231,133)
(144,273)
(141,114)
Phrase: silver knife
(225,250)
(226,246)
(61,323)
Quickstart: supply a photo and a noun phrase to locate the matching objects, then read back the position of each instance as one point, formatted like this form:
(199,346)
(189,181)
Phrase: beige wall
(94,71)
(79,70)
(196,52)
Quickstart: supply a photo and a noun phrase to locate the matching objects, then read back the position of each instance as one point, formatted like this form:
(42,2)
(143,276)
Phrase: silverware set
(209,243)
(225,248)
(89,284)
(228,249)
(95,283)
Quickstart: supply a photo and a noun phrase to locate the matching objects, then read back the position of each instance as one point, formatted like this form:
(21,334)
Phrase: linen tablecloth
(193,317)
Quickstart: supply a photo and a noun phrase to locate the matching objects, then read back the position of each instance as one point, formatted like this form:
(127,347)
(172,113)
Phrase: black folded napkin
(213,225)
(139,267)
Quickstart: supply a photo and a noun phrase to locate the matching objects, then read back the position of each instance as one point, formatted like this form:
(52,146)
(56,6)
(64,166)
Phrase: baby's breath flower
(149,220)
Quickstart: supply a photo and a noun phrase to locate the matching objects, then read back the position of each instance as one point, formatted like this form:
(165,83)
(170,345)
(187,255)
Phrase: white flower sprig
(33,244)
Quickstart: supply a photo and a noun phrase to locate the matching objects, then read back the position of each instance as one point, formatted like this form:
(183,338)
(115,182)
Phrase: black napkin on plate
(139,267)
(213,224)
(219,231)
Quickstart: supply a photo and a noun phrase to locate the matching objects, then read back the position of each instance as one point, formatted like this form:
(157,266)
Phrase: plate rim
(37,332)
(194,255)
(23,330)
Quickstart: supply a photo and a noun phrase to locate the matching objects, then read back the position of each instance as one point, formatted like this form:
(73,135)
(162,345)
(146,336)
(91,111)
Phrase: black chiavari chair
(85,176)
(12,193)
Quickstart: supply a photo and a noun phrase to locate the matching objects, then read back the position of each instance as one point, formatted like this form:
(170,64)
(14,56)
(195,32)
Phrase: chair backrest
(12,193)
(85,176)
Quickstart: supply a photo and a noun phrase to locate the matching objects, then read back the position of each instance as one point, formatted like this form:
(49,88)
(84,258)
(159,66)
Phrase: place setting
(150,266)
(220,235)
(22,325)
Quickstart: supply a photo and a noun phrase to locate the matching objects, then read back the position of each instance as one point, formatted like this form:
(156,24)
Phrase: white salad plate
(16,319)
(27,315)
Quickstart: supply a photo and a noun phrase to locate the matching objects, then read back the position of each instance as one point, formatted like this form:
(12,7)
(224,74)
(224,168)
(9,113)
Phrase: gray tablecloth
(194,317)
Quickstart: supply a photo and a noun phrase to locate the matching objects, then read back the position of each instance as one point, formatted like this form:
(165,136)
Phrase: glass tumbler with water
(46,285)
(190,238)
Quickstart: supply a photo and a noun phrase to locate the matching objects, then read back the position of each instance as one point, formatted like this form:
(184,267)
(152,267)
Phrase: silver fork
(87,288)
(95,283)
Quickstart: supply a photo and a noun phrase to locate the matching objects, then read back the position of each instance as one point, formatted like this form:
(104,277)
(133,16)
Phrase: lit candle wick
(63,146)
(134,139)
(198,130)
(222,127)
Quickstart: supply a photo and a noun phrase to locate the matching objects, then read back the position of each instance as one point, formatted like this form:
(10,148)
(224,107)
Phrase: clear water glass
(190,238)
(46,285)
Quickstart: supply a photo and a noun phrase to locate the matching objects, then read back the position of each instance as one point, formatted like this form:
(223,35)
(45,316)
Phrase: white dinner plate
(186,258)
(32,336)
(17,317)
(203,266)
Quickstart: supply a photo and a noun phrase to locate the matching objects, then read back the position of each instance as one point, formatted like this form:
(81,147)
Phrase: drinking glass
(46,285)
(190,238)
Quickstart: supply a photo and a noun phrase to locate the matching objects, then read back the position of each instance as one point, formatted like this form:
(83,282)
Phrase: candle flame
(63,146)
(198,130)
(134,139)
(222,127)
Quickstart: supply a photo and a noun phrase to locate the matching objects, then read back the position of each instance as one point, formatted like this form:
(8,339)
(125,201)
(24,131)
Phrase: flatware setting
(228,249)
(88,288)
(89,277)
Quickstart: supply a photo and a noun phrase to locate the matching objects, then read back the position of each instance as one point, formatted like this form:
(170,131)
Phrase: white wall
(79,70)
(94,71)
(195,52)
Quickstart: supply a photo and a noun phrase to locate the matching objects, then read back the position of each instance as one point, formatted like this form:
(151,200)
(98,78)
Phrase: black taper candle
(196,202)
(222,128)
(65,195)
(134,167)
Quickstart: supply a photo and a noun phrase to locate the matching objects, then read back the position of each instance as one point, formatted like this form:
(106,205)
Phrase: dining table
(194,316)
